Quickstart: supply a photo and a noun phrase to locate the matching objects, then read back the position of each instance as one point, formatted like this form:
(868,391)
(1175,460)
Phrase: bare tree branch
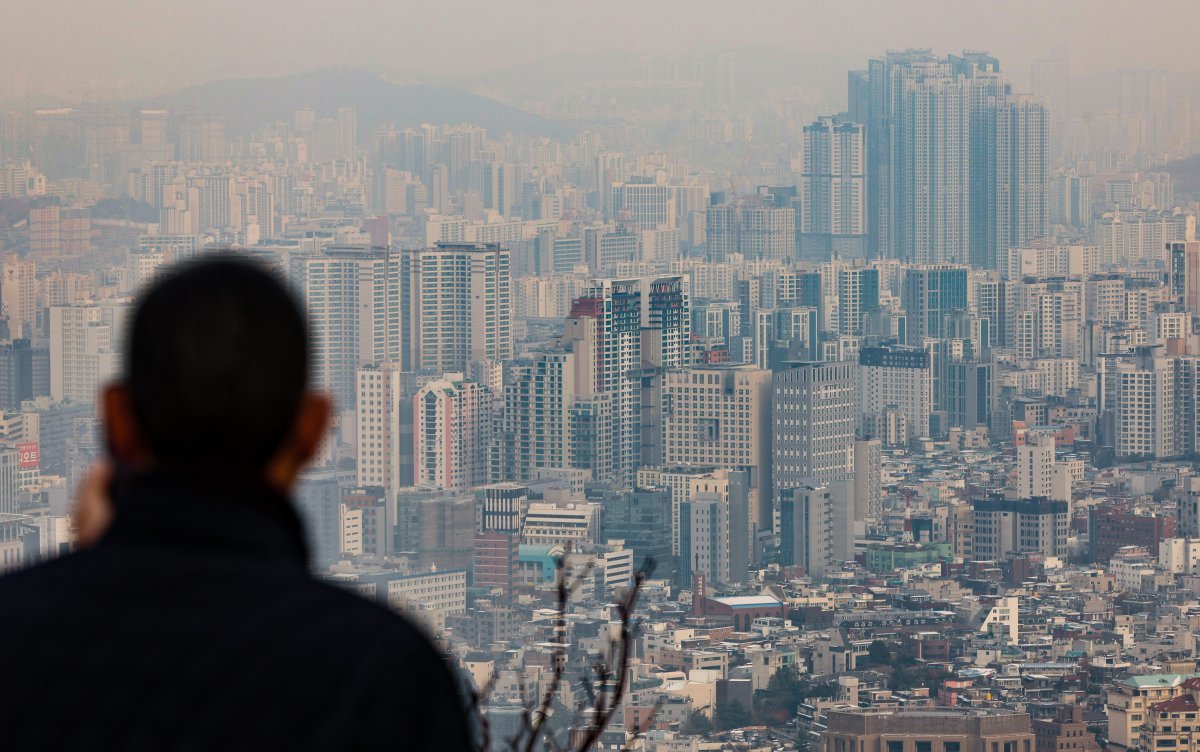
(602,687)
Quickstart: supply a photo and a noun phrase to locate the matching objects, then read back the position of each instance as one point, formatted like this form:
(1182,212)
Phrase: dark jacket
(195,625)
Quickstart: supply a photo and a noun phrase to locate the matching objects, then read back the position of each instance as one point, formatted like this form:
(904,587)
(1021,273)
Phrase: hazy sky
(76,46)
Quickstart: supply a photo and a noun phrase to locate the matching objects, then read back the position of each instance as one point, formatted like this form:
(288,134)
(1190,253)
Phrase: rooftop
(748,601)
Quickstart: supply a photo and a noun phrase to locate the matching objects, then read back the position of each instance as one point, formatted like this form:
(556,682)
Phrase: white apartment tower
(381,427)
(84,349)
(18,295)
(1035,469)
(352,294)
(457,306)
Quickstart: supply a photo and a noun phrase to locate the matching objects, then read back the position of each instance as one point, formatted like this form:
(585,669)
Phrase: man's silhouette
(191,622)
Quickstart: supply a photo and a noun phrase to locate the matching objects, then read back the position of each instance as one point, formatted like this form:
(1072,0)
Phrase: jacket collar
(240,519)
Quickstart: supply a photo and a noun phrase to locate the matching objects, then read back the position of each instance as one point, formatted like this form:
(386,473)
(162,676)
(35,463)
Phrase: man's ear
(121,431)
(301,445)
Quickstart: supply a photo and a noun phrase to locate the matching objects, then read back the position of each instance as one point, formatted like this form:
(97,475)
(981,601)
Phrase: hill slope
(250,103)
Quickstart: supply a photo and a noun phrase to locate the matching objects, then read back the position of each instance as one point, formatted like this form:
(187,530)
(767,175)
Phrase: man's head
(216,378)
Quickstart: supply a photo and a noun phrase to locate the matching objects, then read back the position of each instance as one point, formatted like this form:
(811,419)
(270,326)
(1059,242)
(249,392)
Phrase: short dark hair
(217,363)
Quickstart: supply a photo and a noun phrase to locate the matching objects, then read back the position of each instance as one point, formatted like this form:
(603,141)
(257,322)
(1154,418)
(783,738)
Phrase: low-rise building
(934,730)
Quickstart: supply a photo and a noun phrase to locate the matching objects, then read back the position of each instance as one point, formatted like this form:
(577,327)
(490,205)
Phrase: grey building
(1019,526)
(833,191)
(813,423)
(806,528)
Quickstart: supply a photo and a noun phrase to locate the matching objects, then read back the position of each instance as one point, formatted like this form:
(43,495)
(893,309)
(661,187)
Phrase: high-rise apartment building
(833,191)
(18,296)
(1045,317)
(84,349)
(648,205)
(929,295)
(952,167)
(1138,398)
(858,295)
(1015,199)
(752,227)
(353,298)
(456,302)
(535,427)
(452,433)
(1184,265)
(665,345)
(1035,469)
(604,330)
(384,426)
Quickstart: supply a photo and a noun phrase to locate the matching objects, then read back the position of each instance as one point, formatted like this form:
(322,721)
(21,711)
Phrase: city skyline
(839,400)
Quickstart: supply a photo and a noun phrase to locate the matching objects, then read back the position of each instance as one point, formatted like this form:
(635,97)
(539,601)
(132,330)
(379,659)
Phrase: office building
(1019,526)
(638,517)
(806,528)
(813,423)
(895,383)
(561,523)
(868,481)
(704,539)
(1111,527)
(930,294)
(932,730)
(24,373)
(722,417)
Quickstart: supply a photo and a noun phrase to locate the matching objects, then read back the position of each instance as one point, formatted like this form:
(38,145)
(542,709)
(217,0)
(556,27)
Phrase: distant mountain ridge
(250,103)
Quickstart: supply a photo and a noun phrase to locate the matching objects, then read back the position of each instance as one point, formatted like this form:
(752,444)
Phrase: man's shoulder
(33,580)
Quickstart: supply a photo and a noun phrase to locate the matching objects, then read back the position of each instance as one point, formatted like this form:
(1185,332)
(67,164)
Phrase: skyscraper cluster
(888,373)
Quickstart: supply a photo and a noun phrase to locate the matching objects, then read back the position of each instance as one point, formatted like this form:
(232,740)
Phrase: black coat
(195,625)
